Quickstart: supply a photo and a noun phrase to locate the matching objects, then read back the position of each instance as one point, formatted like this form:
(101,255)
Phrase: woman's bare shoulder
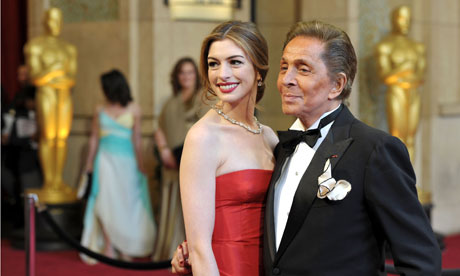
(134,108)
(270,136)
(204,131)
(202,150)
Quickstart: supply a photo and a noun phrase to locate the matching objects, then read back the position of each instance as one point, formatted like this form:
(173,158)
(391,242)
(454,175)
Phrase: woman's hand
(167,158)
(166,155)
(88,168)
(180,262)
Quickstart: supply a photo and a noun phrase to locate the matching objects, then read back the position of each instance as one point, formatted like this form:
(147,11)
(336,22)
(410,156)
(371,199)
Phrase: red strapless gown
(237,238)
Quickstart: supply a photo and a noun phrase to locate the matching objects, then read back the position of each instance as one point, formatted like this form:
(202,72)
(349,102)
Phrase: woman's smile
(227,87)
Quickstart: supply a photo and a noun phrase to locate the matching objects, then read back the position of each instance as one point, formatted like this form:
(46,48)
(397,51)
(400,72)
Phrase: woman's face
(230,72)
(187,76)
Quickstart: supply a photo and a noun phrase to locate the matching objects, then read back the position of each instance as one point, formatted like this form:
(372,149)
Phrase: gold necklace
(233,121)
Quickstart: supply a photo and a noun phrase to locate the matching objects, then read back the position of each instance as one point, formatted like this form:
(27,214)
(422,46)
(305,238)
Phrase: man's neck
(308,121)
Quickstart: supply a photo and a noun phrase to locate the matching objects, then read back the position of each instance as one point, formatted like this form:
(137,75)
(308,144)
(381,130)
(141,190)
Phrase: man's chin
(288,110)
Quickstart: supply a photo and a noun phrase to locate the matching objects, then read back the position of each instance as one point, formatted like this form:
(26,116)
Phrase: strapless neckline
(243,171)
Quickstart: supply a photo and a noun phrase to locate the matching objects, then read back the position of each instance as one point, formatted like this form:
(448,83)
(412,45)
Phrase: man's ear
(339,84)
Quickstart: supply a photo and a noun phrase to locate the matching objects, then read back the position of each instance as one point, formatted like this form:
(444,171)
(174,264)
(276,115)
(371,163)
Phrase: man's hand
(180,262)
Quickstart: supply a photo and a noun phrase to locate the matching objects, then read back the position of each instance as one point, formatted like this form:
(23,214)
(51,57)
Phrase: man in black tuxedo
(340,189)
(367,194)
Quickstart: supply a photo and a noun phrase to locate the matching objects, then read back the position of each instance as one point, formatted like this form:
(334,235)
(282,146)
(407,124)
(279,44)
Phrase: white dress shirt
(291,173)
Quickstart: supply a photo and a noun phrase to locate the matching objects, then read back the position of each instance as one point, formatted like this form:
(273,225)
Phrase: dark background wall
(13,38)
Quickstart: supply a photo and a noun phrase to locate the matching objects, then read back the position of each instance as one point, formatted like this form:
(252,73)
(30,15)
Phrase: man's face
(303,81)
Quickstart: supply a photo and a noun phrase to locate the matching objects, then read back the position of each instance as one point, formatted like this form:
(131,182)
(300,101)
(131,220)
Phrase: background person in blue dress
(118,216)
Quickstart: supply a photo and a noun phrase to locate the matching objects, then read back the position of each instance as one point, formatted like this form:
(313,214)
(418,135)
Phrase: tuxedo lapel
(338,139)
(280,156)
(333,146)
(303,199)
(335,151)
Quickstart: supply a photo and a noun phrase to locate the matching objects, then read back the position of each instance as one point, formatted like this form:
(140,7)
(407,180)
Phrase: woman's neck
(242,112)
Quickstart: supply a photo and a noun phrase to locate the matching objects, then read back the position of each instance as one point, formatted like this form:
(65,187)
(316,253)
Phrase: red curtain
(14,36)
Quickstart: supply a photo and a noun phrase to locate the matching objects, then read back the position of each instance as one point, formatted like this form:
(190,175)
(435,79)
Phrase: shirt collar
(297,125)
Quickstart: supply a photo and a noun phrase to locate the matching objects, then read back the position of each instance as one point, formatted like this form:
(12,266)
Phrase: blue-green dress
(119,199)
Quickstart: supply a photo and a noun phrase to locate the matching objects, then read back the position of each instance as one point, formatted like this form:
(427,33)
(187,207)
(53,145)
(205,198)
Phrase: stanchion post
(29,233)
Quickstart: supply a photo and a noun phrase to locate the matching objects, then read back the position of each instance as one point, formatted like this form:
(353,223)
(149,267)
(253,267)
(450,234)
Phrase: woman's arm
(93,141)
(197,185)
(159,136)
(137,137)
(166,154)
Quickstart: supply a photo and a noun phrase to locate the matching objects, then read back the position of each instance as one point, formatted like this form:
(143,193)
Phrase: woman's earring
(259,83)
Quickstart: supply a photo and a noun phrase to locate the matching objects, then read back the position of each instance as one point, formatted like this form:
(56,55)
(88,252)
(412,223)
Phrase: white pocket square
(329,187)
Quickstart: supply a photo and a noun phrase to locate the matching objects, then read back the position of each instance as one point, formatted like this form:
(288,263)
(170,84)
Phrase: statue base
(69,217)
(62,194)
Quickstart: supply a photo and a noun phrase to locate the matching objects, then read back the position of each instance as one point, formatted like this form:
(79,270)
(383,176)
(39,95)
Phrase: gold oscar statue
(401,64)
(52,64)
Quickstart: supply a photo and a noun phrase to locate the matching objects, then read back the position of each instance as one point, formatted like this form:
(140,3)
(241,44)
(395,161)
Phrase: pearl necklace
(233,121)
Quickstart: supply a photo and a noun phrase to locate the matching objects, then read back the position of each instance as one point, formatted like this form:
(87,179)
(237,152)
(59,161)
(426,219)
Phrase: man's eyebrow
(297,61)
(301,60)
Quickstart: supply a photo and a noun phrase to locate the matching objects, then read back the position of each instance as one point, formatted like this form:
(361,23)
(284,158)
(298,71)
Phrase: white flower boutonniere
(328,186)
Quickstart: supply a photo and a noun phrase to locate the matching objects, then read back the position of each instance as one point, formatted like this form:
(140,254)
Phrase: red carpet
(54,263)
(68,263)
(451,255)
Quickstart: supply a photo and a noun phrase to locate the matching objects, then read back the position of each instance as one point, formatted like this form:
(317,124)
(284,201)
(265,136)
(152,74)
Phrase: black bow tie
(291,138)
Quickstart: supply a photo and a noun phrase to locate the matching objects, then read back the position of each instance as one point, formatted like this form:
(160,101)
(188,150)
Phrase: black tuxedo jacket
(346,237)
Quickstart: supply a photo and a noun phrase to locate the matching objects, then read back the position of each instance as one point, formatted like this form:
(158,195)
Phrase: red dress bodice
(239,215)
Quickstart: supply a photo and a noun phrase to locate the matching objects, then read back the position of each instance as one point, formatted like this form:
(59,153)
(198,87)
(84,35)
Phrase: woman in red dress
(227,159)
